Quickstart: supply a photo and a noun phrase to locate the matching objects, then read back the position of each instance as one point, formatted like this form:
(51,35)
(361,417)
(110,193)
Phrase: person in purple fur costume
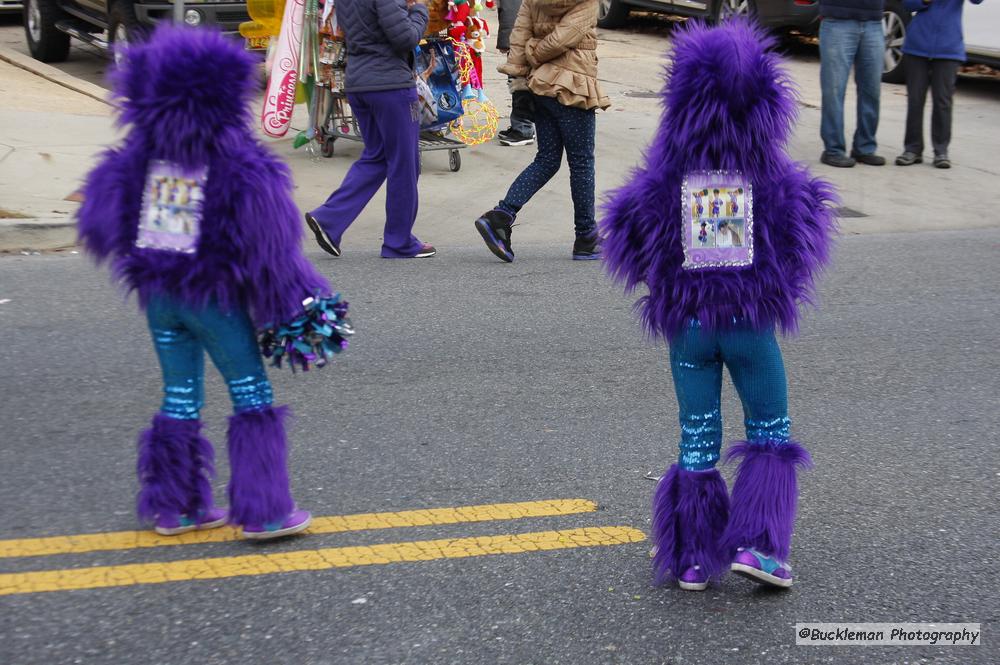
(196,217)
(729,108)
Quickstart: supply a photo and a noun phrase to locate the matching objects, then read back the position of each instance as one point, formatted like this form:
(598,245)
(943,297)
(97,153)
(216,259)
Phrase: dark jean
(939,76)
(560,128)
(843,44)
(522,112)
(391,130)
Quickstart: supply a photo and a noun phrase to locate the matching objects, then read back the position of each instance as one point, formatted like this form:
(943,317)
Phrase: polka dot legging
(559,128)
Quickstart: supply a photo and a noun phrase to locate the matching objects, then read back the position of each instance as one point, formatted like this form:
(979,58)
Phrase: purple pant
(391,131)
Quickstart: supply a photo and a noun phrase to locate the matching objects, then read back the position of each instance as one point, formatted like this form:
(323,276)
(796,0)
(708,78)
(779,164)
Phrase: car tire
(895,20)
(123,28)
(45,42)
(723,10)
(612,13)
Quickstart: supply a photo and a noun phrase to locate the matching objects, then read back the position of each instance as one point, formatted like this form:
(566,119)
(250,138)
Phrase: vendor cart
(338,122)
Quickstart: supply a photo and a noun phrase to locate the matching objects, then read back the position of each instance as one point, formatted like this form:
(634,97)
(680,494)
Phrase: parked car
(778,14)
(49,24)
(10,6)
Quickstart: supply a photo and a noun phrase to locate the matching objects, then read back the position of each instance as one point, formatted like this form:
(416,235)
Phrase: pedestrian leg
(400,128)
(943,76)
(838,44)
(547,159)
(917,80)
(363,179)
(868,75)
(577,128)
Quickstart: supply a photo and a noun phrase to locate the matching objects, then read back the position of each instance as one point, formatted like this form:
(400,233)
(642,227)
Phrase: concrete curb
(57,76)
(37,234)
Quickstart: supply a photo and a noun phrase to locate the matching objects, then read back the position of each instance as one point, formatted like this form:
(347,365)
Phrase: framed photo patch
(172,207)
(717,220)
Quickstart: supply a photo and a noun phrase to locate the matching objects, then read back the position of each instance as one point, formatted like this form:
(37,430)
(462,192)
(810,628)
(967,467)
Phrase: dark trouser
(939,76)
(522,112)
(391,131)
(559,128)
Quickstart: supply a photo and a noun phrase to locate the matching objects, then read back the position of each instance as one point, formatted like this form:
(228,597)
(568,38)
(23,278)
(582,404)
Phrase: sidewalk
(49,135)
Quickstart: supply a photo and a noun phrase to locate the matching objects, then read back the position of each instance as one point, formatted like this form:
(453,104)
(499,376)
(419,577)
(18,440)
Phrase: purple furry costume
(216,254)
(729,107)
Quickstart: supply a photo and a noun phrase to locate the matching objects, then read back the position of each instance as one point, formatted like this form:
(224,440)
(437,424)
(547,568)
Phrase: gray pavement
(475,382)
(472,382)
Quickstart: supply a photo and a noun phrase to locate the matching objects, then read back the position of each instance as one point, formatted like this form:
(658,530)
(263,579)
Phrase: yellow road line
(322,559)
(127,540)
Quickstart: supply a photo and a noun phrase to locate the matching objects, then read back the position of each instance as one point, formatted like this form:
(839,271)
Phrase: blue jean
(560,128)
(755,365)
(182,335)
(843,44)
(390,128)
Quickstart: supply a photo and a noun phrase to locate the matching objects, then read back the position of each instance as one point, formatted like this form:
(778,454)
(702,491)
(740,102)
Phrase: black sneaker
(586,248)
(838,159)
(513,137)
(495,228)
(869,158)
(322,239)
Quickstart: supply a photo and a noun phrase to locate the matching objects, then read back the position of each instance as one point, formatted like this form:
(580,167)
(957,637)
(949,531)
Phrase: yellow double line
(317,559)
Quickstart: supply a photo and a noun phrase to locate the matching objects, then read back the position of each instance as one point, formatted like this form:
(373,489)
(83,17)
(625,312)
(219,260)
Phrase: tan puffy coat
(554,46)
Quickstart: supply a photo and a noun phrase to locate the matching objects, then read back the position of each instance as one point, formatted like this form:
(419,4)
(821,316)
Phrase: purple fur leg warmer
(258,462)
(764,496)
(690,512)
(175,468)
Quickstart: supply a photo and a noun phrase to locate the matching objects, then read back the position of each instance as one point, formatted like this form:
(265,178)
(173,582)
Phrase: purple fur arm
(106,220)
(269,234)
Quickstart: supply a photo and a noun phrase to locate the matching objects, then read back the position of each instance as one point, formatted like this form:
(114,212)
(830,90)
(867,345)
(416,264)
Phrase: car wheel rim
(733,8)
(34,21)
(895,33)
(603,9)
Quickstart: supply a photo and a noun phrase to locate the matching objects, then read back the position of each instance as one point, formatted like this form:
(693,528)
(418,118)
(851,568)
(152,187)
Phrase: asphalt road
(475,382)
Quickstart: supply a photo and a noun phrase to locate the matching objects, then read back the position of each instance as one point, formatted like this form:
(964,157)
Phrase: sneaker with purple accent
(172,525)
(761,568)
(693,579)
(296,521)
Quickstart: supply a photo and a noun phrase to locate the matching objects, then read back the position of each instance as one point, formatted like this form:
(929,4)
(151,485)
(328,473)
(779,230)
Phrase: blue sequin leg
(229,339)
(697,371)
(182,335)
(758,373)
(182,362)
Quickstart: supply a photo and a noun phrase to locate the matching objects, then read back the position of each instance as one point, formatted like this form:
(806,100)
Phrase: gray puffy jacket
(381,36)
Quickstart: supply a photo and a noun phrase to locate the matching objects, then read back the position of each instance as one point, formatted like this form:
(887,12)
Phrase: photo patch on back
(172,207)
(717,220)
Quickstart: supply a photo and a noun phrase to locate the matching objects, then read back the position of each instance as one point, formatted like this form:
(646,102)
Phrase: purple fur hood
(728,105)
(184,98)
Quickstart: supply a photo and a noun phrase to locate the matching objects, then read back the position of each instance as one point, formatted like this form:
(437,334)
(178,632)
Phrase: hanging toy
(458,14)
(479,123)
(279,101)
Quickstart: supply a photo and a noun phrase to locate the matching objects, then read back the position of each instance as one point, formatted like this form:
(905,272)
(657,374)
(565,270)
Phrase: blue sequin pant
(755,365)
(182,335)
(560,128)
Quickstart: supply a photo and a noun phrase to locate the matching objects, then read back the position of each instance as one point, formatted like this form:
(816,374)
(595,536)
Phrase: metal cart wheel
(327,149)
(454,160)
